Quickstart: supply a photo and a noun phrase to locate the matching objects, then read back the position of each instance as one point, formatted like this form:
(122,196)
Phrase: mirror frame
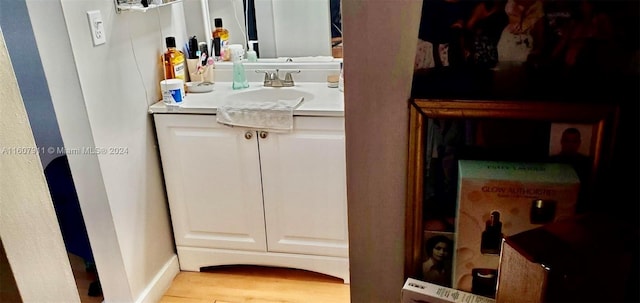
(604,118)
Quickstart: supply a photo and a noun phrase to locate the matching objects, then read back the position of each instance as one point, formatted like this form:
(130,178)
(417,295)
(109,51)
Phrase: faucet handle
(268,76)
(288,78)
(266,73)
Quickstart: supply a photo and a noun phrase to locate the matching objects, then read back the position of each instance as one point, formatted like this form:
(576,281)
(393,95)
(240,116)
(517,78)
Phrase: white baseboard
(161,282)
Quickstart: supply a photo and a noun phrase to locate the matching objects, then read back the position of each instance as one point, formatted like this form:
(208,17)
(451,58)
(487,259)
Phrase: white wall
(100,95)
(379,51)
(293,28)
(232,14)
(35,251)
(194,20)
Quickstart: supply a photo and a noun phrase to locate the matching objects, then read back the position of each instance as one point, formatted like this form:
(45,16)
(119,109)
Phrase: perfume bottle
(492,235)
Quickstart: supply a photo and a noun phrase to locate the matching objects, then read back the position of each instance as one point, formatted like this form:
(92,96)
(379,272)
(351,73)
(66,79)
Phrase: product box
(416,291)
(499,199)
(554,263)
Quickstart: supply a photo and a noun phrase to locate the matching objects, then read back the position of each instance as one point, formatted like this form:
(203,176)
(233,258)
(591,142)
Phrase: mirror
(282,28)
(442,132)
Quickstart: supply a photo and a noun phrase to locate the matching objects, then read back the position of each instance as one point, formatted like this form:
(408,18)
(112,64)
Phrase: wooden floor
(254,284)
(9,290)
(83,279)
(233,284)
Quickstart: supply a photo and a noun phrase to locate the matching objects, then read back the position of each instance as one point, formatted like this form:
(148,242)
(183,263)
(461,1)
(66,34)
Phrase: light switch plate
(96,26)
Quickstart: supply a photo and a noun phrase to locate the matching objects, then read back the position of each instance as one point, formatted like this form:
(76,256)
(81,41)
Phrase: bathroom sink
(269,94)
(318,99)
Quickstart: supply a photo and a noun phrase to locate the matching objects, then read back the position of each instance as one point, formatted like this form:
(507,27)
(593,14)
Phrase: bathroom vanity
(249,196)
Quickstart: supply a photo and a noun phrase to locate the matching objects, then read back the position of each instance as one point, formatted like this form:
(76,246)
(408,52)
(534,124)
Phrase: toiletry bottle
(341,79)
(252,56)
(215,49)
(492,235)
(223,34)
(174,61)
(239,77)
(542,211)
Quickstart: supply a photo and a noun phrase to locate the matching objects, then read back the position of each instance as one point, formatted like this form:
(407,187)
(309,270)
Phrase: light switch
(97,27)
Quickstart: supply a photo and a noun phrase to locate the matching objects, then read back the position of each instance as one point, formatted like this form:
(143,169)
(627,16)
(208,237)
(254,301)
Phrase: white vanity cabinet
(239,196)
(212,176)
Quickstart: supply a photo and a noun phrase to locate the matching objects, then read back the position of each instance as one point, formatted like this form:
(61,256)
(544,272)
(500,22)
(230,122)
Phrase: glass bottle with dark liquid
(492,235)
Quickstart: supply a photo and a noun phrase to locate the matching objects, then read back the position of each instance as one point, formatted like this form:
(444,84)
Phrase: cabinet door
(304,188)
(212,175)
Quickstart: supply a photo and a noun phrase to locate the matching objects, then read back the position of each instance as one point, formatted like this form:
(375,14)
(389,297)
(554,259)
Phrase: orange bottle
(221,34)
(174,61)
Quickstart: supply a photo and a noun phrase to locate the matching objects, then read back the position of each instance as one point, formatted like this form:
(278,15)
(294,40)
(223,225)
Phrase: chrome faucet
(272,79)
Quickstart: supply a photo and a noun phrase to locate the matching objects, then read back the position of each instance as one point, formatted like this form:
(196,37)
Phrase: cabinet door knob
(248,135)
(264,134)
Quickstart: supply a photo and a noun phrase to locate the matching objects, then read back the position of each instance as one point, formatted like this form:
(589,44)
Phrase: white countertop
(325,101)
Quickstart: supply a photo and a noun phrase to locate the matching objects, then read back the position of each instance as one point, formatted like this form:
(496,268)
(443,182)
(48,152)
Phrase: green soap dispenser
(239,77)
(252,56)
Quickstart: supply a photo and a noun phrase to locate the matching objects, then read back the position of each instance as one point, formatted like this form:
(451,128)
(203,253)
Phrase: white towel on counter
(267,115)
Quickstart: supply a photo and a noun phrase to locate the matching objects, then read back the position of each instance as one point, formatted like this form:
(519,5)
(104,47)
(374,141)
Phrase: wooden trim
(604,117)
(529,110)
(413,224)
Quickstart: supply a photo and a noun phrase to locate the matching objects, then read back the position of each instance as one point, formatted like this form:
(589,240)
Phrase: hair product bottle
(174,61)
(221,36)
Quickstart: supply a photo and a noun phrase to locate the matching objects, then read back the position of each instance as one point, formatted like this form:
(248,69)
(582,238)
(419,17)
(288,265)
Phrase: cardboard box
(416,291)
(588,258)
(499,199)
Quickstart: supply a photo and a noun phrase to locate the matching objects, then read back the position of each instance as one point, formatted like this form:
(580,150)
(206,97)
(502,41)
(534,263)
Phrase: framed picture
(437,258)
(524,131)
(576,138)
(571,144)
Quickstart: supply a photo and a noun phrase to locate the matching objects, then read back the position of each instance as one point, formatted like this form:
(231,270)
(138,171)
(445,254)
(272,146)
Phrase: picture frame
(437,258)
(601,118)
(584,130)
